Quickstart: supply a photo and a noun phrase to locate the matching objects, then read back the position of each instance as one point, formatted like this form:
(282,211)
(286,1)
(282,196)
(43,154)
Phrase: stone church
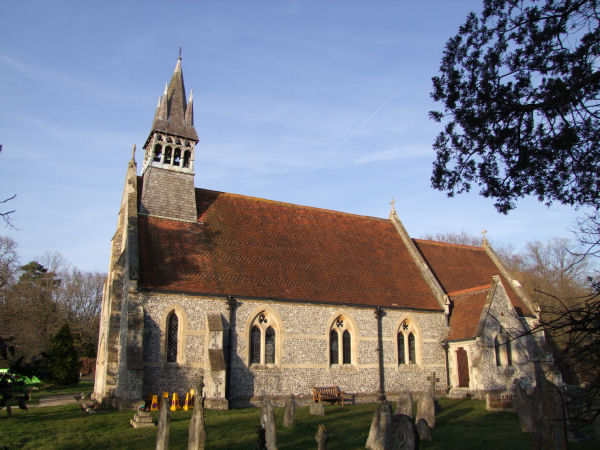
(268,298)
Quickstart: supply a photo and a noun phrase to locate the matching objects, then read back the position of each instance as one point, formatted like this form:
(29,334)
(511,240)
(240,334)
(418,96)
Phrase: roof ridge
(447,244)
(295,205)
(470,290)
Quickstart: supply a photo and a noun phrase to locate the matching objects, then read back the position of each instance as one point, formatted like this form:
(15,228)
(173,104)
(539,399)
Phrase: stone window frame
(503,351)
(273,321)
(348,324)
(414,329)
(181,333)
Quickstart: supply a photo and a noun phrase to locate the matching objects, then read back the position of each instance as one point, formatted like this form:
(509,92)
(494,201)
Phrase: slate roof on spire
(170,116)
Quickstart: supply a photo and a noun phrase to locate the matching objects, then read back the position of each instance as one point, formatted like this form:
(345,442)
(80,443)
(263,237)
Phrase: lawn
(461,424)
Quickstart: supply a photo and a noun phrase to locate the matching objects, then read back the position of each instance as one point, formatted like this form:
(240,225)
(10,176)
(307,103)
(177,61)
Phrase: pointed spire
(189,111)
(133,153)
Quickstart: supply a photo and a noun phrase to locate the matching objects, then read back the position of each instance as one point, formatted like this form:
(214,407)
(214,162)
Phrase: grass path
(462,424)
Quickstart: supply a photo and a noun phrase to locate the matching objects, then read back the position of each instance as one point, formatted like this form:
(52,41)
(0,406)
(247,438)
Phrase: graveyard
(461,423)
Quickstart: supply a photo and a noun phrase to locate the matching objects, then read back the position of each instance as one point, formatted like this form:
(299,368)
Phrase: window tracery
(340,337)
(263,340)
(409,343)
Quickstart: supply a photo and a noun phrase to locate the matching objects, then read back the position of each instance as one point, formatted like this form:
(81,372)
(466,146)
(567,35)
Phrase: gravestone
(197,433)
(267,421)
(523,404)
(164,422)
(317,409)
(322,437)
(289,414)
(426,409)
(423,431)
(378,434)
(549,418)
(141,419)
(432,378)
(405,404)
(403,433)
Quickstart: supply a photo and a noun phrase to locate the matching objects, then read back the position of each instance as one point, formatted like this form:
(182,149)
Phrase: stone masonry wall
(302,347)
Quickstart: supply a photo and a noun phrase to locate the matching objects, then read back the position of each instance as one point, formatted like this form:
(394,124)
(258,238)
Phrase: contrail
(360,125)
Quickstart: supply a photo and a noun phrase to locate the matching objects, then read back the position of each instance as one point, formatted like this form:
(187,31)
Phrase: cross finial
(393,203)
(484,240)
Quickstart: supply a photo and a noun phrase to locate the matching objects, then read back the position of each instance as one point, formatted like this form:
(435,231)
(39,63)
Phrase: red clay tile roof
(460,267)
(252,247)
(466,312)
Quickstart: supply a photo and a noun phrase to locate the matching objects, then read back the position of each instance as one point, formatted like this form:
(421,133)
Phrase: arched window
(255,345)
(172,331)
(177,157)
(412,357)
(270,346)
(186,159)
(497,351)
(157,152)
(263,340)
(333,347)
(401,354)
(346,340)
(168,155)
(408,342)
(508,353)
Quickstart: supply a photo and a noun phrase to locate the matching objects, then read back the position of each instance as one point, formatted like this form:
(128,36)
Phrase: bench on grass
(331,394)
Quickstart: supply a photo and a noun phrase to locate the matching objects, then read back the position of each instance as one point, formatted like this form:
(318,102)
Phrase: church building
(268,298)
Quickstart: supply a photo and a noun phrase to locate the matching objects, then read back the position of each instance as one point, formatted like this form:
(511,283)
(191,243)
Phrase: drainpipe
(378,314)
(231,305)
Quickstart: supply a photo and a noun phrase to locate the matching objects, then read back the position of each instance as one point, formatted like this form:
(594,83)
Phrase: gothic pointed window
(172,331)
(401,354)
(157,152)
(177,157)
(333,347)
(412,357)
(186,159)
(508,353)
(270,346)
(346,340)
(255,345)
(497,351)
(168,154)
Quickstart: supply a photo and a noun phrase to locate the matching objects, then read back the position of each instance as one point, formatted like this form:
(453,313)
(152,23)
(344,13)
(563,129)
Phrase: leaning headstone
(289,414)
(317,409)
(322,437)
(405,404)
(523,404)
(426,409)
(197,433)
(549,419)
(423,431)
(141,419)
(267,421)
(378,434)
(164,422)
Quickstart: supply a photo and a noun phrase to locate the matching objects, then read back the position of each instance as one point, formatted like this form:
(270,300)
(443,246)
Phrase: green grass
(84,386)
(461,424)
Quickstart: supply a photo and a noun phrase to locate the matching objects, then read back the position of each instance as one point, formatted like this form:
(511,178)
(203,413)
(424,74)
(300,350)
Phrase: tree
(520,86)
(62,358)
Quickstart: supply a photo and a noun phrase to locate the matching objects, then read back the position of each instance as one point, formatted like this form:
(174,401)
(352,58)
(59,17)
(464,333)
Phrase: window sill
(264,367)
(342,367)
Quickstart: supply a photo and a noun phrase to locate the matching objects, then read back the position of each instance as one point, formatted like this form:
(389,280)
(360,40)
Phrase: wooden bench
(331,394)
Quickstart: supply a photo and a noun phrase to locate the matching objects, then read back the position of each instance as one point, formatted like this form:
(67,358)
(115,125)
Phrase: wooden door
(462,363)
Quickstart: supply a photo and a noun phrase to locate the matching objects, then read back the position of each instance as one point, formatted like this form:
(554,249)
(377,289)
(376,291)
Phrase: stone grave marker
(405,404)
(197,433)
(289,414)
(549,418)
(141,419)
(322,437)
(403,433)
(523,404)
(317,409)
(378,433)
(164,422)
(423,431)
(267,421)
(426,409)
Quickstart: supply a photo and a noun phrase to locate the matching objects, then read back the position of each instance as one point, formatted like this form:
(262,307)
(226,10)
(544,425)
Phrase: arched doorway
(462,363)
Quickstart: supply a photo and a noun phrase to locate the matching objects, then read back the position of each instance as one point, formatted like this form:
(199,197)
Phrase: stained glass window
(333,347)
(172,328)
(255,345)
(270,346)
(347,350)
(412,357)
(401,355)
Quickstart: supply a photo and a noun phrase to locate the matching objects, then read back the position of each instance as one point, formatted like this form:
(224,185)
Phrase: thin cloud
(392,154)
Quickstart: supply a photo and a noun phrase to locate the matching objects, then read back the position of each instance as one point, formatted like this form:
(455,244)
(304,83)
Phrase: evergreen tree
(62,358)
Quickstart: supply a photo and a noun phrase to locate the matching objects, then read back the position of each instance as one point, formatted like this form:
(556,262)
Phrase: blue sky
(322,103)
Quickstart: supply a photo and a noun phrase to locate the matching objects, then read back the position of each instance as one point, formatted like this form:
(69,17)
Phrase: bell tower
(168,168)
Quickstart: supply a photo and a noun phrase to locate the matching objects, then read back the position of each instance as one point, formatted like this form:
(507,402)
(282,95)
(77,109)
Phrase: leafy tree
(62,358)
(520,85)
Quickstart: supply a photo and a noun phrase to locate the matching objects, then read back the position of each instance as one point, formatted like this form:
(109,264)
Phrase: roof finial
(133,152)
(179,54)
(484,240)
(393,203)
